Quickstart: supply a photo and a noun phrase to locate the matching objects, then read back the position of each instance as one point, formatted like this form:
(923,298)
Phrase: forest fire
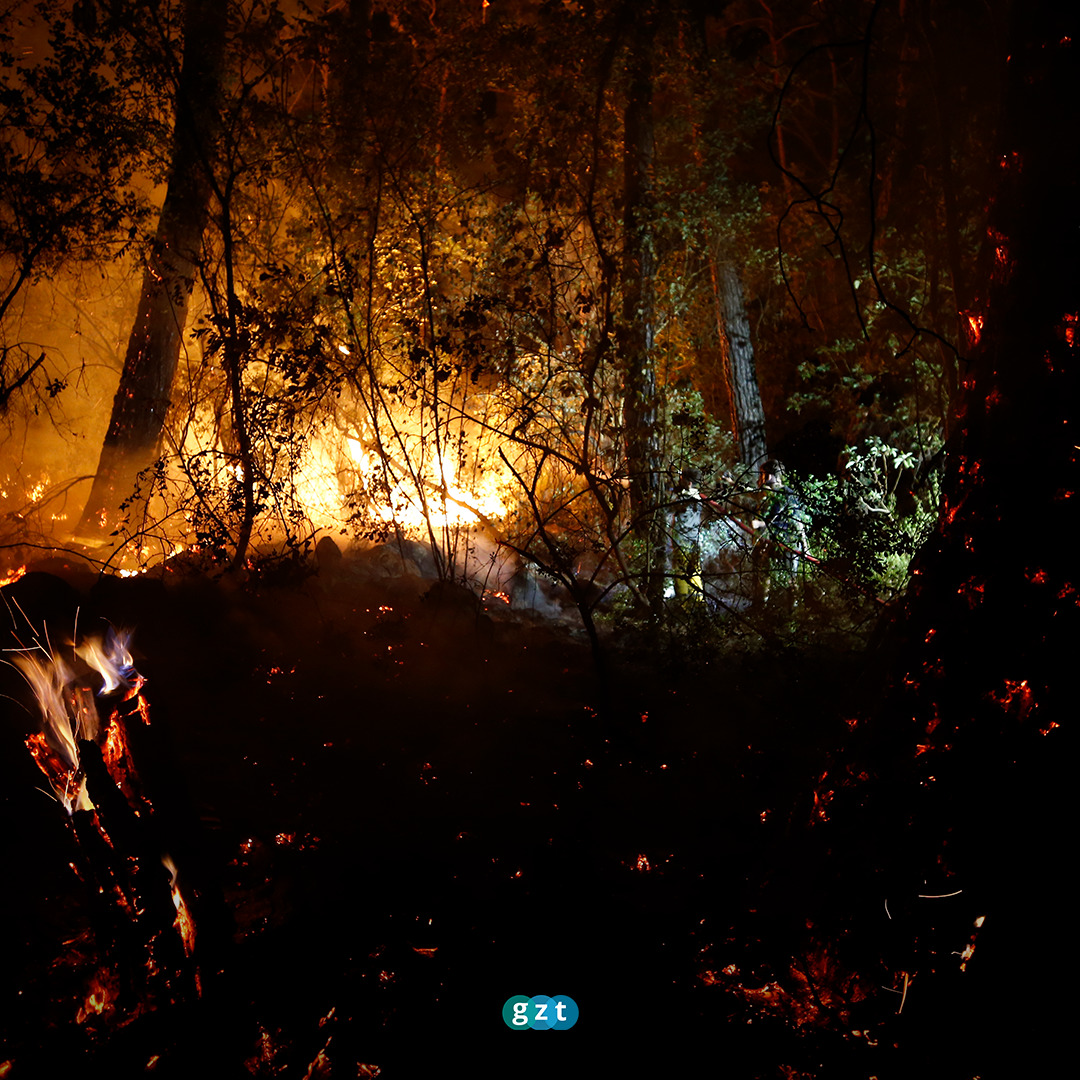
(593,482)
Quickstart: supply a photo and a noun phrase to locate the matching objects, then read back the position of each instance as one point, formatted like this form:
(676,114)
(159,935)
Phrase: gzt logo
(540,1013)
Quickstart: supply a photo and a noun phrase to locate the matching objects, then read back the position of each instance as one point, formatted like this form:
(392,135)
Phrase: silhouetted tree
(142,400)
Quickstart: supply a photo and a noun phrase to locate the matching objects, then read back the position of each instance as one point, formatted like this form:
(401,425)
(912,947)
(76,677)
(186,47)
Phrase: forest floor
(392,809)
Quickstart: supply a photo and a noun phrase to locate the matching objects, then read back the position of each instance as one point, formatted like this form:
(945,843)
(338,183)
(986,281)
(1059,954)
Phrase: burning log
(141,925)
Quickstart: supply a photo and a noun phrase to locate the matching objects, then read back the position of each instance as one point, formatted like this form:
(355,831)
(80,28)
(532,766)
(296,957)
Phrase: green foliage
(78,125)
(867,524)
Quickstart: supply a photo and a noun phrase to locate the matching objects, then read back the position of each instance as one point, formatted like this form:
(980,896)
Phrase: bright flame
(11,576)
(69,713)
(183,922)
(448,503)
(111,659)
(54,748)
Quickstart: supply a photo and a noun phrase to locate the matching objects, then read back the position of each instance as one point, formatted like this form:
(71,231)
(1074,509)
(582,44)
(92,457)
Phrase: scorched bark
(133,438)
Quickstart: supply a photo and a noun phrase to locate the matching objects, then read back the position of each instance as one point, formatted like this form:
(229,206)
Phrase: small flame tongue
(54,748)
(111,659)
(184,923)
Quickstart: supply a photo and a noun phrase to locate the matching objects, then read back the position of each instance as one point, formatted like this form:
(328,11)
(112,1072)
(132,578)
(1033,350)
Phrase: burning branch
(143,927)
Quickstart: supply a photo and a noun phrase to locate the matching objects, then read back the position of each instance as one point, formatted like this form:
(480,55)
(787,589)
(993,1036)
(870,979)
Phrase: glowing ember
(100,996)
(1068,330)
(321,1065)
(11,576)
(118,761)
(1016,697)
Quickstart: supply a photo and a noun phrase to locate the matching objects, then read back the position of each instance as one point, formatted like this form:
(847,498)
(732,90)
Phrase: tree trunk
(132,441)
(746,409)
(983,697)
(638,322)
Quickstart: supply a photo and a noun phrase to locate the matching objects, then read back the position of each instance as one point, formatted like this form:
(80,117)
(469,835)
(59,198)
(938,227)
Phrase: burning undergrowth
(386,808)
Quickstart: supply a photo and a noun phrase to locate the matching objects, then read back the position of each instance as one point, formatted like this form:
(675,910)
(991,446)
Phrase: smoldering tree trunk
(133,439)
(748,416)
(640,414)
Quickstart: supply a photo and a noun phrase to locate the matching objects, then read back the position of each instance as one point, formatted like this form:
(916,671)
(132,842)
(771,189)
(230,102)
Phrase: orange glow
(975,324)
(1017,697)
(11,576)
(1068,329)
(321,1065)
(118,760)
(821,801)
(100,995)
(64,777)
(437,495)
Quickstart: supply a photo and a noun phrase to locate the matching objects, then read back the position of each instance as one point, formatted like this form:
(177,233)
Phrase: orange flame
(54,748)
(183,922)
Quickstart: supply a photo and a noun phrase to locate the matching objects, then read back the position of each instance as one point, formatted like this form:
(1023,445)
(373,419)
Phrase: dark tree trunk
(985,692)
(132,441)
(748,416)
(643,449)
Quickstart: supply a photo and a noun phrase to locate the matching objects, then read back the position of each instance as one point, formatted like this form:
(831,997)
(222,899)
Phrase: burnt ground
(391,813)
